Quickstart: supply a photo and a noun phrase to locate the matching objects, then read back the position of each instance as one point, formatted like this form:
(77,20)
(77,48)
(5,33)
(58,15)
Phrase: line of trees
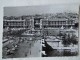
(68,40)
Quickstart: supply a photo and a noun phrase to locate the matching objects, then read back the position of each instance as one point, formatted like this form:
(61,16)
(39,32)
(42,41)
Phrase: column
(32,24)
(40,23)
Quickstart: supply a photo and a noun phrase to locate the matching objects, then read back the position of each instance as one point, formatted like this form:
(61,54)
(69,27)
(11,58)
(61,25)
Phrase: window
(55,22)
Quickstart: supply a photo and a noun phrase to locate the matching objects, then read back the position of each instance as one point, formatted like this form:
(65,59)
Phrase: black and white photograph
(40,31)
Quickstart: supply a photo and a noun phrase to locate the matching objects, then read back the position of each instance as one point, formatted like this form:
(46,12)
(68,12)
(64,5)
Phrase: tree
(66,40)
(60,34)
(74,40)
(76,25)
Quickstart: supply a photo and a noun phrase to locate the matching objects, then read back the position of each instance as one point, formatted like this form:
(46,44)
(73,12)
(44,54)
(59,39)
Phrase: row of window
(14,26)
(56,26)
(13,23)
(56,22)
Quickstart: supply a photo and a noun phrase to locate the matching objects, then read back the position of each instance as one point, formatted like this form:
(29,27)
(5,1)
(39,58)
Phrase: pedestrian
(30,52)
(25,54)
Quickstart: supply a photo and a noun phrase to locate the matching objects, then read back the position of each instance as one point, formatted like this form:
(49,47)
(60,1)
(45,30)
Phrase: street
(25,48)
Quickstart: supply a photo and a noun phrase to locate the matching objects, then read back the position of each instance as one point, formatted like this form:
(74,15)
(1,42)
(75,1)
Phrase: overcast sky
(29,10)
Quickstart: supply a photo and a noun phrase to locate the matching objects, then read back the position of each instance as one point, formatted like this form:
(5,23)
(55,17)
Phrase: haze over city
(43,9)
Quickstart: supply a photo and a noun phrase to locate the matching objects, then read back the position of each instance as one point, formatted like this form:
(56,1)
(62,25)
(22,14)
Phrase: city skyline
(52,32)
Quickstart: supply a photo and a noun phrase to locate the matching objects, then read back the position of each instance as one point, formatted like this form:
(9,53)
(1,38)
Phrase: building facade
(40,23)
(14,23)
(57,23)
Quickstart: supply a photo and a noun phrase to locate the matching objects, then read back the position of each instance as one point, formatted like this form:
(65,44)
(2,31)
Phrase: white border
(5,3)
